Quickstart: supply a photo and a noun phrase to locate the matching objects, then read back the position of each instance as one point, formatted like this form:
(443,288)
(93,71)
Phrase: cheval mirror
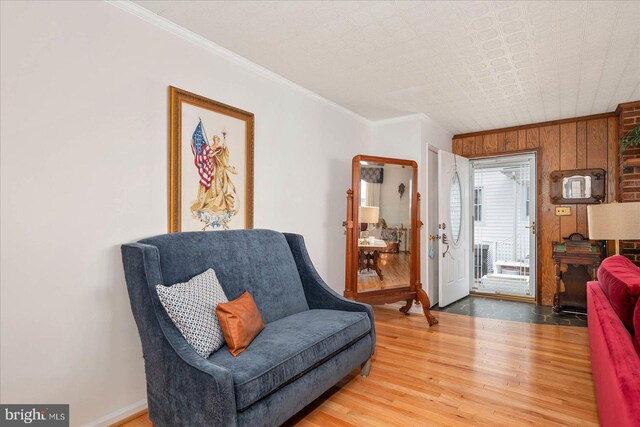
(383,234)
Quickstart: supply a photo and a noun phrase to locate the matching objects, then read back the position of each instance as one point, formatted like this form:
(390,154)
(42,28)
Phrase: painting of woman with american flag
(216,202)
(210,164)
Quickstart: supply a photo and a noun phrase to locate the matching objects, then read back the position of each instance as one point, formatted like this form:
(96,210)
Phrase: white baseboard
(118,415)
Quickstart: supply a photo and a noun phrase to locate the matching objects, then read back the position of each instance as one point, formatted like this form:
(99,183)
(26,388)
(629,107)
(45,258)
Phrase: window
(363,192)
(477,204)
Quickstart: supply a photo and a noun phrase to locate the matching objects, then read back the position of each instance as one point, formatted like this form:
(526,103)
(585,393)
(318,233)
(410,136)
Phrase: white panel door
(454,228)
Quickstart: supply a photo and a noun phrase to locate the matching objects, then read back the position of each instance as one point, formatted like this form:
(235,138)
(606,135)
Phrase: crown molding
(179,31)
(535,125)
(400,119)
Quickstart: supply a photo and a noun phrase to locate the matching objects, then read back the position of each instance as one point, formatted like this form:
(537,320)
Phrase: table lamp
(614,221)
(368,215)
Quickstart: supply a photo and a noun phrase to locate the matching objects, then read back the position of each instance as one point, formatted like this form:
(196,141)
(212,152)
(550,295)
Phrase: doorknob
(532,227)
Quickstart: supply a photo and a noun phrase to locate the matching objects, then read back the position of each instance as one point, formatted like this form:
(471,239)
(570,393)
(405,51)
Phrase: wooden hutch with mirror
(383,234)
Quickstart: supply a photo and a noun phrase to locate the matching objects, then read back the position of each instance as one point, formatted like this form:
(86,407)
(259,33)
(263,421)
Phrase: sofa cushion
(240,322)
(620,281)
(614,363)
(258,261)
(288,348)
(192,308)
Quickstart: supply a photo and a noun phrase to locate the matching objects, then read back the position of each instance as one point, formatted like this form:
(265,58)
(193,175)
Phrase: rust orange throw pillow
(240,321)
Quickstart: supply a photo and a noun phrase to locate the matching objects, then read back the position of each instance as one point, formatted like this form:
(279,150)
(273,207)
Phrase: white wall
(84,169)
(409,137)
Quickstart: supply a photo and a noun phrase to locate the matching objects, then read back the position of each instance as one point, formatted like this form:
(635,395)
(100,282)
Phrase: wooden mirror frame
(413,291)
(598,186)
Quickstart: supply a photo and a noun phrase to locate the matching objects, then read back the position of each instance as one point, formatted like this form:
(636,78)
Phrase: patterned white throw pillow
(192,307)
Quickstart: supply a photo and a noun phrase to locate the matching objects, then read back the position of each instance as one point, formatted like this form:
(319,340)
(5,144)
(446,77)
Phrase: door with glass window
(454,227)
(504,244)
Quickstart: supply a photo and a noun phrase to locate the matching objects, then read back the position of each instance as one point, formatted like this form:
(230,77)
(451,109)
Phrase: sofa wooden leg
(365,368)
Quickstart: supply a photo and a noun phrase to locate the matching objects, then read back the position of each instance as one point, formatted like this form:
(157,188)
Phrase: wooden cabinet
(576,261)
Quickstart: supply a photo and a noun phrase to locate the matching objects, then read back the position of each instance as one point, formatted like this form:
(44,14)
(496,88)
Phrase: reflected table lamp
(368,215)
(614,221)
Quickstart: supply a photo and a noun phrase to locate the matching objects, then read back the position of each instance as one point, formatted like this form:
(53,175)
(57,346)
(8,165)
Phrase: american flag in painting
(201,159)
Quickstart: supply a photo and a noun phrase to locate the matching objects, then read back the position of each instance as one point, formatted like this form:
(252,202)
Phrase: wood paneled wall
(585,142)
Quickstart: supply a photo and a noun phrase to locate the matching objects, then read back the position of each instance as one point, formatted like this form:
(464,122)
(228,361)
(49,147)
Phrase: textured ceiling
(468,65)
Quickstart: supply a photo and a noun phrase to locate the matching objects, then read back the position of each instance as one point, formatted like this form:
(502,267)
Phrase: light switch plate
(563,210)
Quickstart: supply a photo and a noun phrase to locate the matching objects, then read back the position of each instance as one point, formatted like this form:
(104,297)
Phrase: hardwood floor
(466,371)
(395,270)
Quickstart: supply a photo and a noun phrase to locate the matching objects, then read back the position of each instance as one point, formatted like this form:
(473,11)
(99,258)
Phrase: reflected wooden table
(369,255)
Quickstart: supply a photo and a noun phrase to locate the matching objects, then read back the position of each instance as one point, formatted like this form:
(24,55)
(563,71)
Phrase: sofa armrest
(182,387)
(187,392)
(615,365)
(319,295)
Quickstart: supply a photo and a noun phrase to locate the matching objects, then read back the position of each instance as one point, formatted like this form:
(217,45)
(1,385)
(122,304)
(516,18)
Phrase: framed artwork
(210,164)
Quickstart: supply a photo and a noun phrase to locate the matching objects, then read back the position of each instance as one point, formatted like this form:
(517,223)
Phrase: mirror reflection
(455,206)
(384,215)
(576,187)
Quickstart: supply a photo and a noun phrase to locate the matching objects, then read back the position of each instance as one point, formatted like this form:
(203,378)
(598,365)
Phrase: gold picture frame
(216,200)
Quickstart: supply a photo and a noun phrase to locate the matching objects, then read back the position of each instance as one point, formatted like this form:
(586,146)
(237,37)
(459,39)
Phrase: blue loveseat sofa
(313,337)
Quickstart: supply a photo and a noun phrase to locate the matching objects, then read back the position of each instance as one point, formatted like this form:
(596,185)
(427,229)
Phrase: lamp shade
(614,221)
(368,214)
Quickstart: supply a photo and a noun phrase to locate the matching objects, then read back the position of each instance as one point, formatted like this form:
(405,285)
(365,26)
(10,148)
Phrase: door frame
(431,190)
(536,154)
